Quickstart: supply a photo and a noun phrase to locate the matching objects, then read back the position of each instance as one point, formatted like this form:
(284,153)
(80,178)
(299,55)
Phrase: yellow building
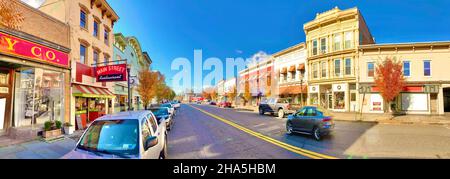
(425,67)
(333,38)
(91,39)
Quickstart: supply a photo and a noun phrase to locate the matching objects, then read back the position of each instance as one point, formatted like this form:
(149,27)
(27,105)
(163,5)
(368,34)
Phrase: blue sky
(168,29)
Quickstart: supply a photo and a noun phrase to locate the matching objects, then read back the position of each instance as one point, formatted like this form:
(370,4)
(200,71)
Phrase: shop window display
(339,98)
(38,96)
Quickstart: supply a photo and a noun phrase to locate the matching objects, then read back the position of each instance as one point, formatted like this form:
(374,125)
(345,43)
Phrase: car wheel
(261,111)
(289,129)
(281,113)
(316,134)
(163,154)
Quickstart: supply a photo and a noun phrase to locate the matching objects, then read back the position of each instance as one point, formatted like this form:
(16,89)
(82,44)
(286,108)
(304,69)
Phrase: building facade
(427,89)
(91,24)
(34,73)
(258,76)
(128,50)
(291,77)
(333,38)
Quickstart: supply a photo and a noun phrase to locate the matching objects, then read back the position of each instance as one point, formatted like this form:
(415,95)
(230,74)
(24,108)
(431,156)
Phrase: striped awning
(91,92)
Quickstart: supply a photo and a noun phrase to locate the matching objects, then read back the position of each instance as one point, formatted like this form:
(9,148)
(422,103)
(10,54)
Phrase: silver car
(126,135)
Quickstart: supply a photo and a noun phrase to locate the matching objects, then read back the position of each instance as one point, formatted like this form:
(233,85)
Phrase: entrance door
(330,101)
(5,99)
(447,100)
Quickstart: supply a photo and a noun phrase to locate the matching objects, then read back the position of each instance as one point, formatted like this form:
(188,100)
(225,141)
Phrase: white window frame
(340,67)
(431,69)
(403,64)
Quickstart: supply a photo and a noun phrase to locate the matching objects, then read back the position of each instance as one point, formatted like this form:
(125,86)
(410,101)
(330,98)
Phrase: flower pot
(52,133)
(69,130)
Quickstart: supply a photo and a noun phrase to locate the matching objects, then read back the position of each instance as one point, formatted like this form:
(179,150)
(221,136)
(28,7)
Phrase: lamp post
(301,86)
(129,88)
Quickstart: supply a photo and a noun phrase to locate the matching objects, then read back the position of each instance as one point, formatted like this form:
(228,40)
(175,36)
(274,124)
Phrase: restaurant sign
(22,48)
(111,73)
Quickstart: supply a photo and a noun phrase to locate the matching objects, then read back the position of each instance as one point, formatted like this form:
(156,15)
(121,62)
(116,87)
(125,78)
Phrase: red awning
(91,91)
(301,67)
(292,90)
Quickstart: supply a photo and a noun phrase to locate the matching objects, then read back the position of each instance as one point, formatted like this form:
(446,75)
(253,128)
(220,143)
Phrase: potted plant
(52,129)
(69,128)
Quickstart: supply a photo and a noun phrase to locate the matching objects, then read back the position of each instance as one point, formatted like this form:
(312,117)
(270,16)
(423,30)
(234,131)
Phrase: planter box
(52,133)
(69,130)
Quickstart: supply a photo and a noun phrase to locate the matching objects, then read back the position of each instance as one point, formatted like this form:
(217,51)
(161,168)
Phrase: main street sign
(111,73)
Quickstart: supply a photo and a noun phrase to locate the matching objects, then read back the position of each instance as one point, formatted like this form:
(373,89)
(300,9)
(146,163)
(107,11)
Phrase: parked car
(279,106)
(176,105)
(172,110)
(129,135)
(224,104)
(310,120)
(162,114)
(212,103)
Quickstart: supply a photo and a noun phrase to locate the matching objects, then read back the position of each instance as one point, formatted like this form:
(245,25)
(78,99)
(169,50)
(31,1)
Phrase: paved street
(197,135)
(208,132)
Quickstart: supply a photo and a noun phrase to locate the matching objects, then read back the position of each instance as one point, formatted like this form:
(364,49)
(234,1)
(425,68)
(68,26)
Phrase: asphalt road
(208,132)
(200,136)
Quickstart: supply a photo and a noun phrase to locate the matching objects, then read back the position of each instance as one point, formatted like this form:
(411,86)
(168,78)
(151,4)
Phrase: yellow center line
(297,150)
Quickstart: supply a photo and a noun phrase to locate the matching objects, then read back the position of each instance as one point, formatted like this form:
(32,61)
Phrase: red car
(224,104)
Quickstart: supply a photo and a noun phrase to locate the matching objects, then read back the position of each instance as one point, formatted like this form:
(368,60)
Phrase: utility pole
(129,88)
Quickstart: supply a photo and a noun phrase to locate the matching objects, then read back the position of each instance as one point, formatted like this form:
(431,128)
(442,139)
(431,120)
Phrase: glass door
(5,90)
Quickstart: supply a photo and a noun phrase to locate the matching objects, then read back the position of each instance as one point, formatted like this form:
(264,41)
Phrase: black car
(162,113)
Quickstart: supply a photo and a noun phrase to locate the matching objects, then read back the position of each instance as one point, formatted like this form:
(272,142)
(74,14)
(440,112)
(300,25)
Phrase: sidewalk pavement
(38,149)
(389,119)
(378,118)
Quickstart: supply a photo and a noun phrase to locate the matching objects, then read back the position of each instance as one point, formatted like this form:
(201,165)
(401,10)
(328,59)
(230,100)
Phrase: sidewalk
(389,119)
(38,149)
(378,118)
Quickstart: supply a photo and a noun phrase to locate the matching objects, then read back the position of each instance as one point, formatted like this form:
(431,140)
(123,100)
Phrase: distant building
(291,74)
(128,50)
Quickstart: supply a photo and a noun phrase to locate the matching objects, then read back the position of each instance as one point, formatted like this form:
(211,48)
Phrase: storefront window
(39,96)
(339,100)
(314,99)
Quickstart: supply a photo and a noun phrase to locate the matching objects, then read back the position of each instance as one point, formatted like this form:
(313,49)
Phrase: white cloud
(34,3)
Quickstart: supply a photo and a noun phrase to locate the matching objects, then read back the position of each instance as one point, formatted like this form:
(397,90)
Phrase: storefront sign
(22,48)
(431,89)
(111,73)
(313,89)
(339,87)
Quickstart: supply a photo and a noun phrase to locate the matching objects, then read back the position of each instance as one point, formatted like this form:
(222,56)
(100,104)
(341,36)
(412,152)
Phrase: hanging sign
(111,73)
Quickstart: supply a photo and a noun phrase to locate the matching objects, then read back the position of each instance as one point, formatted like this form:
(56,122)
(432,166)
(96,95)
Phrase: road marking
(297,150)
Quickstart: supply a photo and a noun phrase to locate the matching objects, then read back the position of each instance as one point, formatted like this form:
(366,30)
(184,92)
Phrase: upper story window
(348,40)
(95,33)
(427,68)
(370,69)
(323,45)
(406,68)
(106,36)
(82,54)
(315,46)
(337,67)
(315,70)
(348,66)
(83,19)
(324,69)
(96,56)
(337,42)
(106,59)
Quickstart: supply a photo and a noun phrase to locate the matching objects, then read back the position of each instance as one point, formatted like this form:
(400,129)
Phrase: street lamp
(302,75)
(129,87)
